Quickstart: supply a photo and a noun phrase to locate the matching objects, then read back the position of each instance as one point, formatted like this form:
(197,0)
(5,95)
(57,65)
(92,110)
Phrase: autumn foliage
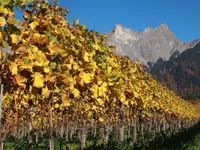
(72,70)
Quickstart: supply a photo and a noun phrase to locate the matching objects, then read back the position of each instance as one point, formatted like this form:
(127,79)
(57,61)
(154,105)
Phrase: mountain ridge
(147,46)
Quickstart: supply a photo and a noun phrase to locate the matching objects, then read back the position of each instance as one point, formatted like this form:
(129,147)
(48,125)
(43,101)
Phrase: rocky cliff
(149,46)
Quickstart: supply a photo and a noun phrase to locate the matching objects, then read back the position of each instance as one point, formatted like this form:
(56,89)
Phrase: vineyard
(62,80)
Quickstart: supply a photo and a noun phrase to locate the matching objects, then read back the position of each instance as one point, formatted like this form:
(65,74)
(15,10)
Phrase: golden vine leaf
(65,99)
(57,105)
(86,57)
(14,38)
(13,68)
(101,119)
(46,92)
(0,53)
(33,25)
(38,80)
(85,78)
(55,48)
(41,39)
(76,92)
(100,101)
(1,36)
(2,21)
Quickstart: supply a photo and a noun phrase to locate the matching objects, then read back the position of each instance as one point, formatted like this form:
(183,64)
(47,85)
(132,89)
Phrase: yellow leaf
(57,90)
(94,107)
(40,59)
(46,92)
(110,83)
(101,119)
(14,38)
(51,78)
(102,89)
(69,66)
(4,11)
(28,66)
(100,101)
(47,69)
(34,49)
(86,77)
(76,92)
(1,36)
(75,66)
(13,68)
(123,99)
(0,53)
(65,100)
(33,25)
(104,85)
(38,80)
(72,37)
(20,81)
(96,46)
(57,105)
(86,57)
(109,69)
(39,38)
(71,86)
(24,103)
(2,21)
(55,48)
(99,82)
(94,91)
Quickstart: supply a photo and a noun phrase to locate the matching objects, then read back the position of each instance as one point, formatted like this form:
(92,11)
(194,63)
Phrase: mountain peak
(119,28)
(163,26)
(147,46)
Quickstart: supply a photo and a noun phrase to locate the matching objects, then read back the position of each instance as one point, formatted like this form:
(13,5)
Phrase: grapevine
(65,78)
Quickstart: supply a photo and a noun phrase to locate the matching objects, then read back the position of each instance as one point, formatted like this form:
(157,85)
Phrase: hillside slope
(182,74)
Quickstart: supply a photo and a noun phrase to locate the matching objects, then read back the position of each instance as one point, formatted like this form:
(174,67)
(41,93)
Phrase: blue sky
(181,16)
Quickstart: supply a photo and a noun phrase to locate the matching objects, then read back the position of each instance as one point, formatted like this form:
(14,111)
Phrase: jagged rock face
(147,46)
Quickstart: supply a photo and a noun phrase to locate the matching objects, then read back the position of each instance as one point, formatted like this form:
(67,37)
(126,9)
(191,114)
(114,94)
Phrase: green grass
(186,140)
(43,145)
(194,144)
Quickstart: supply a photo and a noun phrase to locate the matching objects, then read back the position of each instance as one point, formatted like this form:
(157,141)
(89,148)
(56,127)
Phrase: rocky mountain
(182,74)
(152,47)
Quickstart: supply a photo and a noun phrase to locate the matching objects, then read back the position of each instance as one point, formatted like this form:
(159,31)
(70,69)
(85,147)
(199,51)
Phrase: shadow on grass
(179,141)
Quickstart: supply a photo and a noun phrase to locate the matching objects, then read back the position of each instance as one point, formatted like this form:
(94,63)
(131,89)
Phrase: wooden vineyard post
(66,135)
(1,102)
(121,125)
(51,142)
(105,134)
(30,138)
(134,125)
(62,128)
(142,130)
(83,136)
